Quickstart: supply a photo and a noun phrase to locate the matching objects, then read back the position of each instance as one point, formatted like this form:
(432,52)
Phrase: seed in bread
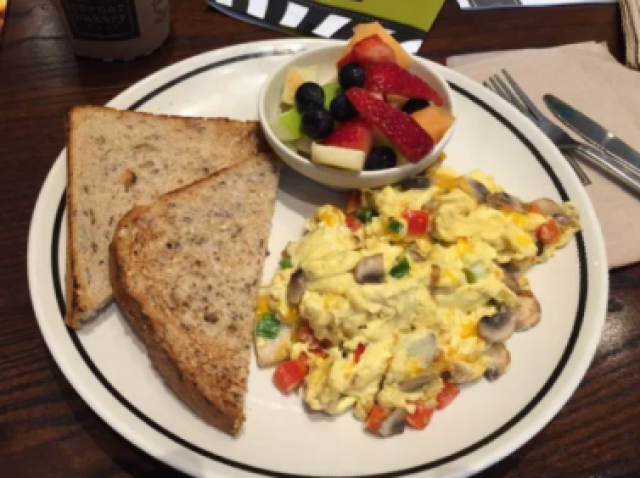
(121,159)
(185,271)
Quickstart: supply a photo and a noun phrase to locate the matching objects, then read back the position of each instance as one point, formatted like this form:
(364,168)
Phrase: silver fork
(565,143)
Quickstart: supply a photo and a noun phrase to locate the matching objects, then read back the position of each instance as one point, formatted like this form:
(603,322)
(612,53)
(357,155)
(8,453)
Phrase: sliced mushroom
(436,271)
(549,207)
(431,205)
(370,270)
(499,361)
(462,372)
(511,281)
(498,327)
(528,312)
(503,199)
(478,190)
(296,288)
(416,182)
(423,348)
(394,424)
(414,384)
(514,267)
(416,254)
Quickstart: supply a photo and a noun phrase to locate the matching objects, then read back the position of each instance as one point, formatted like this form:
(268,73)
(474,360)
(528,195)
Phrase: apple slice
(337,157)
(287,126)
(303,145)
(331,90)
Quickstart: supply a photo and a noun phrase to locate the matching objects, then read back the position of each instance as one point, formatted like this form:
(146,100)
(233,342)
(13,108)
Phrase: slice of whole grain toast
(185,271)
(120,159)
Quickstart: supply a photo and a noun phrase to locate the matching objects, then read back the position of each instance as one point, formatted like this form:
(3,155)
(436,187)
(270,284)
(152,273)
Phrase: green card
(416,13)
(407,20)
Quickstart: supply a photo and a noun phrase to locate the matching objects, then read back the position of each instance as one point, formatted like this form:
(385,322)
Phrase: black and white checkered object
(310,18)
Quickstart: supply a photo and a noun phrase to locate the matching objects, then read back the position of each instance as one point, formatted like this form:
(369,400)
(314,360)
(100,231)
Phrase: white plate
(109,369)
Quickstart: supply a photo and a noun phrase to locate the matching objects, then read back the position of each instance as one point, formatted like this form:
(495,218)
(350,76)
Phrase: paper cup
(115,29)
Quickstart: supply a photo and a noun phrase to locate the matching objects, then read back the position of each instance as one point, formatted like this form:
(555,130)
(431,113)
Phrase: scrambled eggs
(383,308)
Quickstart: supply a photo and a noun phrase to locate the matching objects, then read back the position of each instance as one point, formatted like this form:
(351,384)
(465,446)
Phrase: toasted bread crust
(86,281)
(184,386)
(204,362)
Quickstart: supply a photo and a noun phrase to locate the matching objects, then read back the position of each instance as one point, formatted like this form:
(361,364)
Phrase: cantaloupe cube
(435,120)
(295,77)
(364,30)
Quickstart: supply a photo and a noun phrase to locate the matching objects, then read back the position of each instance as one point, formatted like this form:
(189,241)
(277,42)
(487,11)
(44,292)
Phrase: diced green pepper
(471,277)
(475,272)
(286,263)
(365,215)
(268,326)
(401,269)
(396,226)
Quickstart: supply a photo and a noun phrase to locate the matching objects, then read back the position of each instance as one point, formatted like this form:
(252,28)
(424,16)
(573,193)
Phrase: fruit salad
(375,115)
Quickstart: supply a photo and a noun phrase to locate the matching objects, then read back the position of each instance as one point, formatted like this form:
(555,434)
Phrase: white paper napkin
(587,76)
(630,10)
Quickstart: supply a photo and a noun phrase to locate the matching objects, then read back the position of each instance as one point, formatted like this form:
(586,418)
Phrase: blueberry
(414,105)
(317,123)
(381,157)
(308,95)
(342,109)
(351,75)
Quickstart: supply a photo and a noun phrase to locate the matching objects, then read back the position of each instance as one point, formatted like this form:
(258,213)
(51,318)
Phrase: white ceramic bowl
(326,57)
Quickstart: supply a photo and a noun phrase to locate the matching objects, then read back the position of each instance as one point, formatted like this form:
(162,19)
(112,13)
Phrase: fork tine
(498,86)
(513,99)
(488,85)
(523,97)
(495,87)
(491,85)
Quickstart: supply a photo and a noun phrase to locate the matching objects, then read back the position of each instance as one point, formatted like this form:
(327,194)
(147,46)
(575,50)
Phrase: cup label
(102,20)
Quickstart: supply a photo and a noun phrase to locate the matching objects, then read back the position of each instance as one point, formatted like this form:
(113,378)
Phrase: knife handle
(612,165)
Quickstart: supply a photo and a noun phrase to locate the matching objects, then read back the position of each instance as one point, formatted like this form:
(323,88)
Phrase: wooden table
(47,430)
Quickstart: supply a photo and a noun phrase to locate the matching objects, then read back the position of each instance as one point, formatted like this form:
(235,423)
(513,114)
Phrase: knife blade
(593,132)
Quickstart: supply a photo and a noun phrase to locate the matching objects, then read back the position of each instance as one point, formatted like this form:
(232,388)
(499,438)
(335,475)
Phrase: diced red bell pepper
(417,221)
(421,417)
(290,374)
(305,333)
(358,352)
(376,417)
(354,201)
(318,352)
(446,395)
(534,208)
(353,223)
(549,232)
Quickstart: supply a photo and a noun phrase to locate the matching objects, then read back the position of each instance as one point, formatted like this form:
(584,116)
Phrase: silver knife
(594,133)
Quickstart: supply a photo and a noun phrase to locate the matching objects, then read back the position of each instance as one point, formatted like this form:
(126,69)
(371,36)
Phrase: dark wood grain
(46,430)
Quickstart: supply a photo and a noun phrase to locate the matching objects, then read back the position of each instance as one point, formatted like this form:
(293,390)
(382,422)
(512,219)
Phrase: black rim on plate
(575,332)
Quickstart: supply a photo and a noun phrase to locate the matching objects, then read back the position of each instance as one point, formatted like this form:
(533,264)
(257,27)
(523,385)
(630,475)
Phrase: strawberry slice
(352,134)
(348,58)
(373,50)
(401,129)
(390,79)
